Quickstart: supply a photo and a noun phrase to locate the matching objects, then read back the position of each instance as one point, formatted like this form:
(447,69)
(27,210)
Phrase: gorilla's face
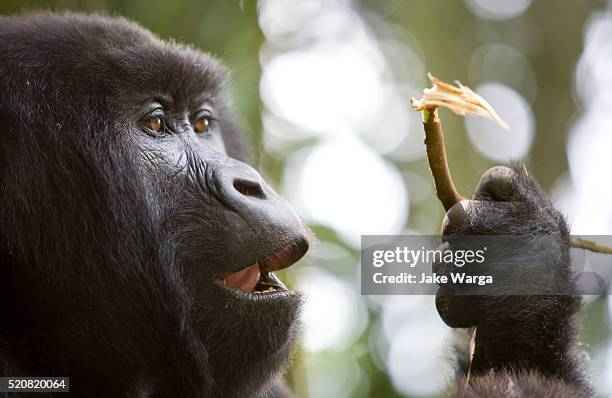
(230,229)
(124,198)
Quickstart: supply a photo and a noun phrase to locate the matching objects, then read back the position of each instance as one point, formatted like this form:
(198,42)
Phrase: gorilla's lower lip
(258,278)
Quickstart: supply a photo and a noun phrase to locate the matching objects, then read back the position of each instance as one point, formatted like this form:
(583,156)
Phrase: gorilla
(137,248)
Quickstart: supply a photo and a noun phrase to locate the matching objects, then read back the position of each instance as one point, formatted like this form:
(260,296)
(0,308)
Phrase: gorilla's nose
(241,190)
(249,187)
(257,222)
(237,182)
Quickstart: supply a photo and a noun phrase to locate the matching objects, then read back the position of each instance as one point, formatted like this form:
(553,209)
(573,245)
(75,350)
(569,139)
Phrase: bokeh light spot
(498,9)
(347,186)
(492,140)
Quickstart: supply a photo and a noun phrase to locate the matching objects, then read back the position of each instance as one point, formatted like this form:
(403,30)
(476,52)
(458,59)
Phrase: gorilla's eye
(155,123)
(202,125)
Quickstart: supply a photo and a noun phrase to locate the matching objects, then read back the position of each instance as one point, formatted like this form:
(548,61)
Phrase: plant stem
(436,155)
(588,245)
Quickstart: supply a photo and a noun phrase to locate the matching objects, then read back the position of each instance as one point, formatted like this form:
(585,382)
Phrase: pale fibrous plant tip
(460,99)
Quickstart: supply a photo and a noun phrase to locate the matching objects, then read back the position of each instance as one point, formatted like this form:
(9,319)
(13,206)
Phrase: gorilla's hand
(514,330)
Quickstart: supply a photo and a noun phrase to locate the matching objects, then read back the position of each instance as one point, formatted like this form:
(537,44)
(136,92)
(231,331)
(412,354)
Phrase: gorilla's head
(136,247)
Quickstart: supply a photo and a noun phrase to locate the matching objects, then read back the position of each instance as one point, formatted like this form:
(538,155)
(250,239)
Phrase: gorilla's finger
(498,184)
(457,311)
(480,217)
(440,267)
(510,184)
(455,217)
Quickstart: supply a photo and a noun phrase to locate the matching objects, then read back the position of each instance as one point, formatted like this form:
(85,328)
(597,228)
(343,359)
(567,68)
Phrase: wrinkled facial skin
(125,207)
(223,217)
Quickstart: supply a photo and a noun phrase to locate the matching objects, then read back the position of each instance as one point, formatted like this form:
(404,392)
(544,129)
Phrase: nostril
(249,188)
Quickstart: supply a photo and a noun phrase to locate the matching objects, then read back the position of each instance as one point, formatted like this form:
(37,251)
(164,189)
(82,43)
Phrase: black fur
(525,346)
(111,239)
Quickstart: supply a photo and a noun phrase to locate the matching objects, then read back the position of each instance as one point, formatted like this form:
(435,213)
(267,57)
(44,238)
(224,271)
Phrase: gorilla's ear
(236,139)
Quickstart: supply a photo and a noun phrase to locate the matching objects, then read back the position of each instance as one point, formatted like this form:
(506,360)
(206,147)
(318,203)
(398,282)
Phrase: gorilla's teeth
(273,280)
(268,282)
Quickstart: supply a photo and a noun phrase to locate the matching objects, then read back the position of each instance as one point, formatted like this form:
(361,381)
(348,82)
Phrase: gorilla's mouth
(258,278)
(254,279)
